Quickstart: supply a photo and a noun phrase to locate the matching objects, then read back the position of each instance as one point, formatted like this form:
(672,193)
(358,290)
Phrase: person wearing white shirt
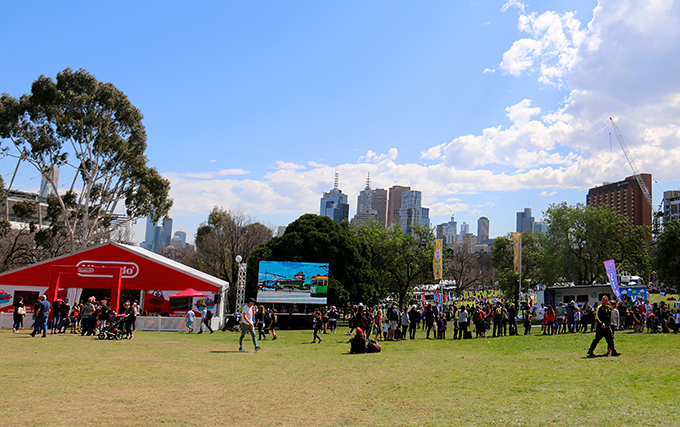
(247,325)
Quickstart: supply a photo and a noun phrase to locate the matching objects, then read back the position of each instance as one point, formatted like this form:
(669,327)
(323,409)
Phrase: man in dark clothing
(42,309)
(603,318)
(571,311)
(358,343)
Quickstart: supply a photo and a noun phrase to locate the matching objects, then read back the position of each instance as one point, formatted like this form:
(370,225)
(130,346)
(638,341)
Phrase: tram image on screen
(292,282)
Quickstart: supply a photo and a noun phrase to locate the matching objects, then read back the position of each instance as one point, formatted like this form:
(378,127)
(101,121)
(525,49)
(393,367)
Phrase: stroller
(115,329)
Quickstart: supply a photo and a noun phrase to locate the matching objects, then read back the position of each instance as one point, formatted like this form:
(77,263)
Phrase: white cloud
(623,63)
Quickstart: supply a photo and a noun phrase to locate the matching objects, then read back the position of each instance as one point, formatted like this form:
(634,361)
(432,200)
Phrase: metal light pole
(240,285)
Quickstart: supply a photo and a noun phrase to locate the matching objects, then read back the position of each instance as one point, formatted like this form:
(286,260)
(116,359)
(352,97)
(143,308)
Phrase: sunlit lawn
(180,379)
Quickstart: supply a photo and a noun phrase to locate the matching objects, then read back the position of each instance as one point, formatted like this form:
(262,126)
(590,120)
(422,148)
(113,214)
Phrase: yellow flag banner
(437,260)
(517,251)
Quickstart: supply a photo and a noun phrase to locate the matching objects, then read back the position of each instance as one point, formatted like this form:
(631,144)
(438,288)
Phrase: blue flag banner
(611,275)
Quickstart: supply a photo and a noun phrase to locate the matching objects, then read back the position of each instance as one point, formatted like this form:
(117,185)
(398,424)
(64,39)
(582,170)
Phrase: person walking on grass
(247,325)
(42,310)
(190,320)
(603,319)
(317,326)
(206,317)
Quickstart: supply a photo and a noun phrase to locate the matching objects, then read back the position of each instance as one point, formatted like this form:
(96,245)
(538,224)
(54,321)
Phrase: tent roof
(172,264)
(20,274)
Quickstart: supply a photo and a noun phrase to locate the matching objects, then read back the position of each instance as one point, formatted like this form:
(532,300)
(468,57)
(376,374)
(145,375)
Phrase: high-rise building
(540,227)
(53,175)
(464,229)
(165,233)
(379,203)
(157,236)
(334,203)
(483,229)
(671,205)
(412,213)
(447,232)
(525,221)
(626,197)
(371,205)
(182,236)
(394,203)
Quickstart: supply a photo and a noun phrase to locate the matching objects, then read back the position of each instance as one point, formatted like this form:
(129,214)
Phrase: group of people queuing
(484,315)
(628,314)
(87,317)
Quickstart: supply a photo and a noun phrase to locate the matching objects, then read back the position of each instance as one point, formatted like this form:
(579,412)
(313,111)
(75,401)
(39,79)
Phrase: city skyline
(485,107)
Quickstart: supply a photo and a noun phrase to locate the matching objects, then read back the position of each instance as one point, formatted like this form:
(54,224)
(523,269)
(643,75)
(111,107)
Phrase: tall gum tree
(91,128)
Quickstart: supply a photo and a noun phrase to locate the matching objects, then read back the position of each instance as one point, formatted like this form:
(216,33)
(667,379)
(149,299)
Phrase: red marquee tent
(112,266)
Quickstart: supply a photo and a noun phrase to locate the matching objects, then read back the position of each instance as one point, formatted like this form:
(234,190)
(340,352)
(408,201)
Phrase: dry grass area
(180,379)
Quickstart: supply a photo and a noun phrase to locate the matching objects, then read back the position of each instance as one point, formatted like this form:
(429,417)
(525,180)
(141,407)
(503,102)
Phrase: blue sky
(486,107)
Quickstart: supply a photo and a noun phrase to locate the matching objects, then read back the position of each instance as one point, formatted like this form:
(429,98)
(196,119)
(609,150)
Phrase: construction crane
(638,177)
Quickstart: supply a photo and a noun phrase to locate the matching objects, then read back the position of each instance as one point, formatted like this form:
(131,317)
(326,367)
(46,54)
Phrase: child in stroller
(114,329)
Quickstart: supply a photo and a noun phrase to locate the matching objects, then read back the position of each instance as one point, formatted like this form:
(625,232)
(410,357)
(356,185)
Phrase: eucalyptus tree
(91,131)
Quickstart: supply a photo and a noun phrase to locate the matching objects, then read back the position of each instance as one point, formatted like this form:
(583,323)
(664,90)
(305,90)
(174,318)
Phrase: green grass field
(181,379)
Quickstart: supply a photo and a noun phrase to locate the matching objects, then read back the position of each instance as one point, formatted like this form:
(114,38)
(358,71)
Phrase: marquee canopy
(113,266)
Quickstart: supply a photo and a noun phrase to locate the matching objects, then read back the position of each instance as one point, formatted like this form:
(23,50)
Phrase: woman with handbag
(19,313)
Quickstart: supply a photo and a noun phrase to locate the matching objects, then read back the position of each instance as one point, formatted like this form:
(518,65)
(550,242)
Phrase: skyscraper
(394,203)
(334,203)
(379,203)
(483,229)
(464,229)
(412,213)
(525,221)
(371,205)
(447,232)
(626,197)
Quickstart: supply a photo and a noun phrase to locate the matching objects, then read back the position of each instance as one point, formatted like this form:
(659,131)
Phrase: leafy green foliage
(667,260)
(91,127)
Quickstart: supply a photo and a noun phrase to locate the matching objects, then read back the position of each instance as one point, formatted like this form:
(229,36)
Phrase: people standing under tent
(527,321)
(19,313)
(317,325)
(405,321)
(42,310)
(190,319)
(206,316)
(603,318)
(247,325)
(414,318)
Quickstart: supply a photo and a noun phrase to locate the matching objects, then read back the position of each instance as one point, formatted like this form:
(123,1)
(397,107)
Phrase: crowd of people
(491,315)
(87,317)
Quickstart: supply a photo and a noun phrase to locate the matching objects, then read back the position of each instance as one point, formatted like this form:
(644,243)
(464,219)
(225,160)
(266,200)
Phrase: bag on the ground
(373,347)
(467,335)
